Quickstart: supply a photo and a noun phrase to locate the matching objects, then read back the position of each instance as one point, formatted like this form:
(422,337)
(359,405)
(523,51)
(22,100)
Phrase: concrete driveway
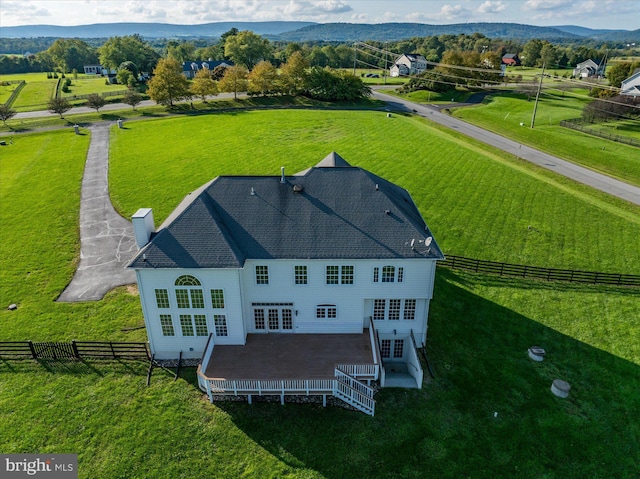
(107,243)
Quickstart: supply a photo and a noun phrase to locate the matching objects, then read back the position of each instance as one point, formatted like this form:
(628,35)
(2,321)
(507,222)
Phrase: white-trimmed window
(394,309)
(200,321)
(217,299)
(346,275)
(195,325)
(390,274)
(262,274)
(258,318)
(326,311)
(220,322)
(332,274)
(340,274)
(167,325)
(379,307)
(409,310)
(186,325)
(189,297)
(162,298)
(398,348)
(300,273)
(385,348)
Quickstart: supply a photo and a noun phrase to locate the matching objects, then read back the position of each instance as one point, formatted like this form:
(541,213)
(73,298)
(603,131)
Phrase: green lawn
(87,84)
(504,113)
(35,95)
(626,128)
(480,327)
(532,217)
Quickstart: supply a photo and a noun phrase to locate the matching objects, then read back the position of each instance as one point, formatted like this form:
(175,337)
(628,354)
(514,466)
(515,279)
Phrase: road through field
(562,167)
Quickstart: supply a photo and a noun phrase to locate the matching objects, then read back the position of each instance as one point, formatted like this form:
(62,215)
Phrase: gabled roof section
(330,211)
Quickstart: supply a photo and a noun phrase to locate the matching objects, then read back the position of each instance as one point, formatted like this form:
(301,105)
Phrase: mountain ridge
(310,31)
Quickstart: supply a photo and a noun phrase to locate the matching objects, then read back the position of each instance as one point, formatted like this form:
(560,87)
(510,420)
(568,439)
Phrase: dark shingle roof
(341,212)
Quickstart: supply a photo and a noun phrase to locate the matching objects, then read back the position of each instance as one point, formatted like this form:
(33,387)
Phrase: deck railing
(353,392)
(360,370)
(415,368)
(270,386)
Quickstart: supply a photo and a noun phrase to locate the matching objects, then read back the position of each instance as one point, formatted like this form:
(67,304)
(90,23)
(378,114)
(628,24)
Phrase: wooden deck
(288,356)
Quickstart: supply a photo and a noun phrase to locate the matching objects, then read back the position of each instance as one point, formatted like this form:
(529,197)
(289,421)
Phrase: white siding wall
(354,302)
(166,347)
(351,300)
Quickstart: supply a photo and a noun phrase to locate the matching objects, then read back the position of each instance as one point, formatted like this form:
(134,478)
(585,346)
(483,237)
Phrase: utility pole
(535,106)
(355,50)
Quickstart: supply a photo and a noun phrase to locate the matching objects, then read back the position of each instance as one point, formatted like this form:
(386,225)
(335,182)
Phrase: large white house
(408,64)
(313,283)
(631,86)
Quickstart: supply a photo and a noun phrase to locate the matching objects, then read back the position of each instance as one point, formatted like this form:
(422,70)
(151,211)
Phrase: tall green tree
(262,79)
(203,85)
(531,53)
(620,72)
(246,48)
(234,80)
(293,74)
(70,53)
(117,50)
(168,84)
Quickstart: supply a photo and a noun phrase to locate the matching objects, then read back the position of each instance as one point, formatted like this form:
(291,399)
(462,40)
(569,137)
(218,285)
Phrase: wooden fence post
(76,354)
(33,350)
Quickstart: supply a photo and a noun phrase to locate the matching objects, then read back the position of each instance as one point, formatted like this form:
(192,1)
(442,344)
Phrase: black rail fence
(537,272)
(580,126)
(73,350)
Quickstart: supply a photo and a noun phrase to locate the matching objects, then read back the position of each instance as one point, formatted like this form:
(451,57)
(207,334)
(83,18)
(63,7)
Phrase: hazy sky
(608,14)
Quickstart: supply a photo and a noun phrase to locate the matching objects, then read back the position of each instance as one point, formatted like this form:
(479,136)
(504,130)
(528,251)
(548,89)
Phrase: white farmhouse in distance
(631,86)
(408,64)
(315,283)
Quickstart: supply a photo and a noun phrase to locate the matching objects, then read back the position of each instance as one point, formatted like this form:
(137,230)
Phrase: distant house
(408,64)
(189,69)
(511,59)
(588,69)
(93,69)
(315,283)
(631,86)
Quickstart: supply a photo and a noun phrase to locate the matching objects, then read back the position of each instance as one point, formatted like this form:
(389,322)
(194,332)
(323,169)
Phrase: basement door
(273,317)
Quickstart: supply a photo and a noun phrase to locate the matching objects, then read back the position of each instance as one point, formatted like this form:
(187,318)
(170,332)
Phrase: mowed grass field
(503,113)
(480,327)
(477,202)
(36,93)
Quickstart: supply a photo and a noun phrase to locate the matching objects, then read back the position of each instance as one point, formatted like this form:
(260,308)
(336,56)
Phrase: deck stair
(353,392)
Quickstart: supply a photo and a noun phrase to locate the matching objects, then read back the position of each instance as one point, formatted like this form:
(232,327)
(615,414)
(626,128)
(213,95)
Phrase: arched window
(188,296)
(187,280)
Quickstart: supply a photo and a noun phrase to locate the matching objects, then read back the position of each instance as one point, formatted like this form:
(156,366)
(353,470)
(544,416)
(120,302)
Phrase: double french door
(273,317)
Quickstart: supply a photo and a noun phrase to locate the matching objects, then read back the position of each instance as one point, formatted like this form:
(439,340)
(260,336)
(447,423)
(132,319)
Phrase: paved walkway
(106,238)
(566,168)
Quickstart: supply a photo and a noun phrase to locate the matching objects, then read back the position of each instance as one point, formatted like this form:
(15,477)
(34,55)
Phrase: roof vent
(387,212)
(377,187)
(282,174)
(298,188)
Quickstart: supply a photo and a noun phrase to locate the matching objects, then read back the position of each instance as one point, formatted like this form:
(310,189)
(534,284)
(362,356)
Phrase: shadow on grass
(74,367)
(488,413)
